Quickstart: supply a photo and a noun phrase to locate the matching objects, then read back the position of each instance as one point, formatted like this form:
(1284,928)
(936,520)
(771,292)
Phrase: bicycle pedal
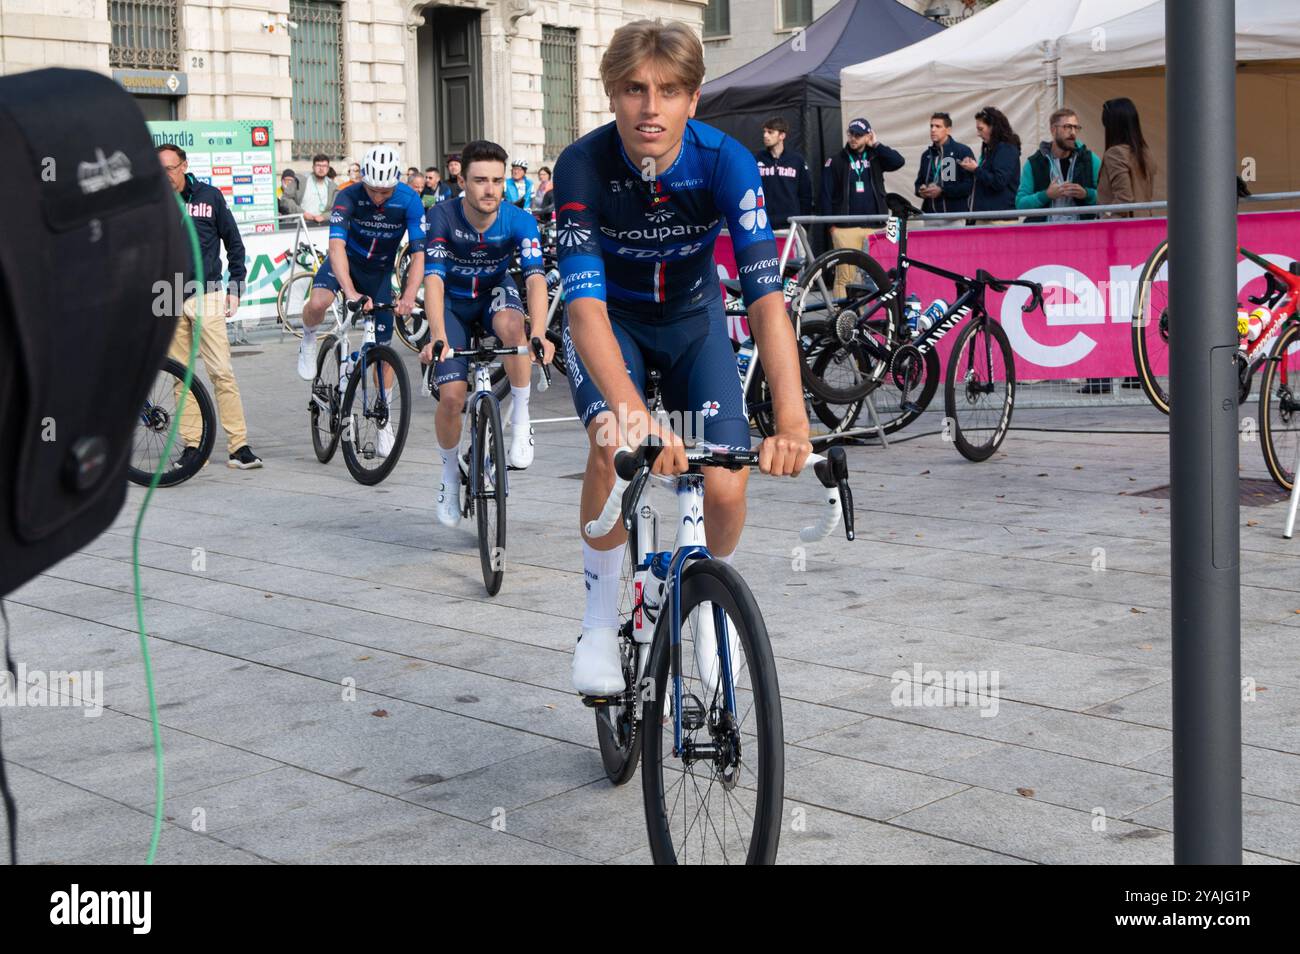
(693,712)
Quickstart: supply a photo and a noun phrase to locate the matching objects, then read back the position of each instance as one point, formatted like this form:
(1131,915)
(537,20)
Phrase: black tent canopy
(800,79)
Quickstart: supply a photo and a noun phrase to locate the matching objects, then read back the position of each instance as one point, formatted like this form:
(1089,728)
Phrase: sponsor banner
(725,257)
(231,155)
(1089,272)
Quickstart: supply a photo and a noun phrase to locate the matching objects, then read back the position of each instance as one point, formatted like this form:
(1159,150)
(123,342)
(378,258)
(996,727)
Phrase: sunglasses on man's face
(1070,127)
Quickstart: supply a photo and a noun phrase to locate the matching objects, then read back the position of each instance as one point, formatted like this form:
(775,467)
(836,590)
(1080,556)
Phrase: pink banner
(1089,273)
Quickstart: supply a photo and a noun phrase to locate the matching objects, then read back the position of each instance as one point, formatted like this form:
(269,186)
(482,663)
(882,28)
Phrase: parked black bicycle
(865,348)
(197,431)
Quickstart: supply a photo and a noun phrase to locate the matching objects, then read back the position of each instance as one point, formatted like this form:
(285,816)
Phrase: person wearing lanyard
(944,182)
(853,183)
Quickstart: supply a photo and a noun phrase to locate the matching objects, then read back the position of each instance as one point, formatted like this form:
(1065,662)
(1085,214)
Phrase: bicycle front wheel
(490,493)
(719,799)
(980,390)
(294,295)
(155,421)
(375,415)
(1150,331)
(1279,407)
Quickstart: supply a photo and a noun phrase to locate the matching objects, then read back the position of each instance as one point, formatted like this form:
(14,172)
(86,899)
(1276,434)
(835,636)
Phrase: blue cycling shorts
(376,284)
(698,380)
(464,317)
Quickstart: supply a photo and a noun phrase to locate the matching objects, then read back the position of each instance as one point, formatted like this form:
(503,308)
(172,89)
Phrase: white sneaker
(385,440)
(307,358)
(707,666)
(521,448)
(448,506)
(597,668)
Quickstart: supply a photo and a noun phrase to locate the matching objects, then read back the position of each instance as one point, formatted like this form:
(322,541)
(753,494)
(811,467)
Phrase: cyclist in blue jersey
(639,203)
(367,224)
(468,247)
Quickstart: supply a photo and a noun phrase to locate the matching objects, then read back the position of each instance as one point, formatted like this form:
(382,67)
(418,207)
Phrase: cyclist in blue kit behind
(367,224)
(639,203)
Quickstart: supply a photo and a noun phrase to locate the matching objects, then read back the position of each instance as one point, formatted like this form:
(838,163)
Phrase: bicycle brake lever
(846,507)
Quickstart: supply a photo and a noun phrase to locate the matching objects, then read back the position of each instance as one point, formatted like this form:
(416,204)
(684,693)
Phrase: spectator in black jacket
(997,173)
(853,183)
(787,185)
(942,183)
(214,226)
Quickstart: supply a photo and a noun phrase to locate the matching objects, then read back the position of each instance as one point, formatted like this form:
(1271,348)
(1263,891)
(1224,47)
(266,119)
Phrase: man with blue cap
(853,183)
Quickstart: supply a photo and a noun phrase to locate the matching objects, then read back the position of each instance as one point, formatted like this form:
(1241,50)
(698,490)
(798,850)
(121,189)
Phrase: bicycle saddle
(900,207)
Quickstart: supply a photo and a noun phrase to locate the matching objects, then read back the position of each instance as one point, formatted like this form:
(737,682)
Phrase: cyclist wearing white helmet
(519,190)
(366,228)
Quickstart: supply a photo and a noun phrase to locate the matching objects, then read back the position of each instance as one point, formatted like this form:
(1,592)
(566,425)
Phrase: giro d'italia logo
(710,409)
(752,214)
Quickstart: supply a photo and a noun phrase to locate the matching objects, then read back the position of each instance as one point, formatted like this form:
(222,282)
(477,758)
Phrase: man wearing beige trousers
(214,225)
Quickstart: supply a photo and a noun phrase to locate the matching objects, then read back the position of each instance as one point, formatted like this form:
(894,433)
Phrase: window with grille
(717,18)
(795,13)
(559,87)
(144,35)
(316,68)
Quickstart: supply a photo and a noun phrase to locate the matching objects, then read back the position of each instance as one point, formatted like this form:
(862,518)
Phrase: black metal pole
(1203,450)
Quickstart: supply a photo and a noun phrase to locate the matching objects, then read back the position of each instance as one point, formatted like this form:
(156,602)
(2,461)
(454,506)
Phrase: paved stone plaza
(1043,568)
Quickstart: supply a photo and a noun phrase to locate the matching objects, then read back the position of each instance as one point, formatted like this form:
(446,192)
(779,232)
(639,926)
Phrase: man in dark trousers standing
(943,183)
(787,185)
(214,225)
(853,183)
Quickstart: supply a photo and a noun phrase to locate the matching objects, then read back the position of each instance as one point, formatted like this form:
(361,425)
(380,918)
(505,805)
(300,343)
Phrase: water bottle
(912,311)
(648,594)
(743,357)
(938,308)
(1258,320)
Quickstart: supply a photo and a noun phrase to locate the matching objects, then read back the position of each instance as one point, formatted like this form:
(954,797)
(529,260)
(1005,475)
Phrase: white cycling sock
(600,570)
(519,409)
(450,466)
(309,334)
(725,559)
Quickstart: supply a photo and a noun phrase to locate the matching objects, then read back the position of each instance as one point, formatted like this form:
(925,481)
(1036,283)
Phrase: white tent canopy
(1027,56)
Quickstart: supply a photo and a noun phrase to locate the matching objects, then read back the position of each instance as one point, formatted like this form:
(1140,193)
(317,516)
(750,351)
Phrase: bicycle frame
(482,372)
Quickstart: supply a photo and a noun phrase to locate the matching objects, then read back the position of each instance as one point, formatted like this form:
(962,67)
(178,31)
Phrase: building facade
(338,76)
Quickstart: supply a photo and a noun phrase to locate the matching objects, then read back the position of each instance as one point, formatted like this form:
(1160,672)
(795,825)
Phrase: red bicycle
(1270,340)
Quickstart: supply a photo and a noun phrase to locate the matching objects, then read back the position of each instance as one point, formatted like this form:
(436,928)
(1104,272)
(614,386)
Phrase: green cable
(139,521)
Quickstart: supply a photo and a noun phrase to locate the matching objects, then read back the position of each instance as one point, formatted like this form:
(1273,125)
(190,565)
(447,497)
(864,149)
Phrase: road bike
(710,744)
(864,348)
(484,469)
(295,290)
(155,421)
(359,398)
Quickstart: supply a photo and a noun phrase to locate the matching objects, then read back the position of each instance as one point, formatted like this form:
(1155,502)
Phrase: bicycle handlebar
(443,352)
(632,469)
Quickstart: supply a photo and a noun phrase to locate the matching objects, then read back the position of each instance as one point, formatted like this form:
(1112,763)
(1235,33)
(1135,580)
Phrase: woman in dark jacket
(997,174)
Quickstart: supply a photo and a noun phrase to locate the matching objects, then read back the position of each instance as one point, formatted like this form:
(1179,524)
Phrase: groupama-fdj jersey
(470,262)
(644,245)
(474,266)
(372,235)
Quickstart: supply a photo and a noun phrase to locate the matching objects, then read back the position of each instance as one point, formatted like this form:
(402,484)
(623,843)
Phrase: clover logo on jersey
(530,248)
(752,214)
(710,409)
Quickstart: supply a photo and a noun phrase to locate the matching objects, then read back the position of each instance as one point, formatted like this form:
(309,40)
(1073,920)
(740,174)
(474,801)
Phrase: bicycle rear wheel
(618,721)
(294,294)
(1150,330)
(1279,407)
(814,300)
(720,799)
(378,399)
(490,492)
(324,401)
(981,387)
(155,421)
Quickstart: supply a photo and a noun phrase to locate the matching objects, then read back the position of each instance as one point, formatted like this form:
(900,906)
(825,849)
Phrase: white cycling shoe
(597,667)
(448,506)
(384,440)
(307,358)
(521,448)
(707,662)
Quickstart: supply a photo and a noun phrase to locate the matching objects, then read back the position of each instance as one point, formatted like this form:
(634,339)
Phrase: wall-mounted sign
(153,82)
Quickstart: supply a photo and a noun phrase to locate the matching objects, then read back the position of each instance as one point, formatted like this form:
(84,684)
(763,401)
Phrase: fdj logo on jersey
(681,252)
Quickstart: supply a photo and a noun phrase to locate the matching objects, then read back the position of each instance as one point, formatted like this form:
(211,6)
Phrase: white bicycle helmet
(521,163)
(381,168)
